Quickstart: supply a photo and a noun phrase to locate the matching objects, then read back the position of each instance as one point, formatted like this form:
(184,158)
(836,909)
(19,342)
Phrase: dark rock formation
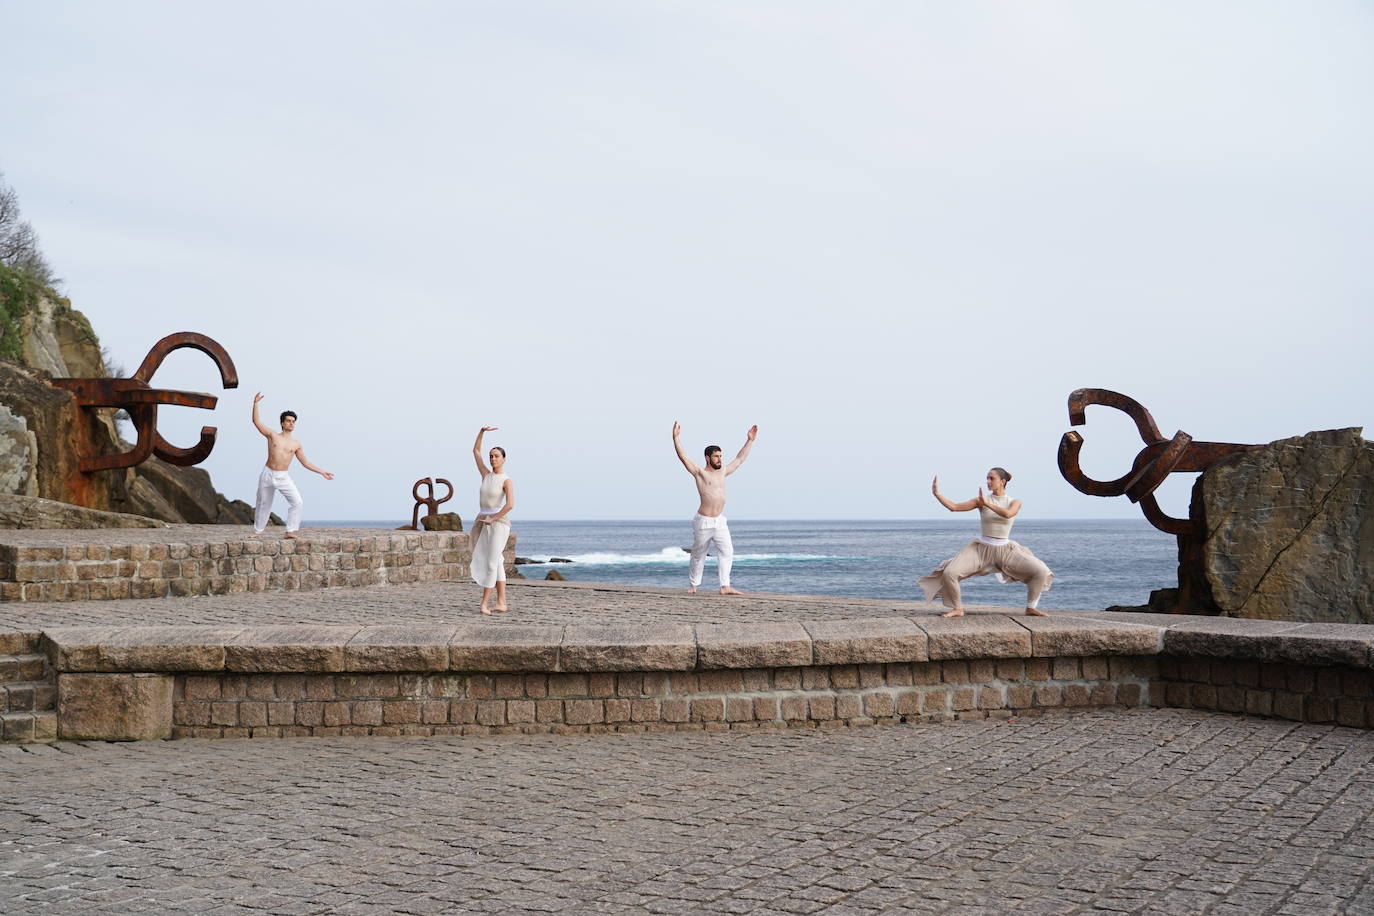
(442,521)
(559,560)
(32,512)
(1290,529)
(555,575)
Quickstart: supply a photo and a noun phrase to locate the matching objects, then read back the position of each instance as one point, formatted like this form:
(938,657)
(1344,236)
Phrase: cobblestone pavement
(534,602)
(1156,811)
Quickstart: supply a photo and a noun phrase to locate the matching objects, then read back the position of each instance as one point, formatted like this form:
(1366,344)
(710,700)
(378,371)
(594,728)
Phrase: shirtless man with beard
(281,448)
(709,525)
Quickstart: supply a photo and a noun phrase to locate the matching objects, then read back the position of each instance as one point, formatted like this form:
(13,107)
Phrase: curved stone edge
(682,647)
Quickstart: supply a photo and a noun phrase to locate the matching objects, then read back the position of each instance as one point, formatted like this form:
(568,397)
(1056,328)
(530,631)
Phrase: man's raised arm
(733,466)
(681,455)
(257,422)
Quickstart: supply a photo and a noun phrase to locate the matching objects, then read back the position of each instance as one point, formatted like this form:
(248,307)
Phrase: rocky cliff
(41,429)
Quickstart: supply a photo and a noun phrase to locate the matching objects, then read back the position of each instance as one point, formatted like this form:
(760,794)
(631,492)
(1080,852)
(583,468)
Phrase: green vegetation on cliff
(19,296)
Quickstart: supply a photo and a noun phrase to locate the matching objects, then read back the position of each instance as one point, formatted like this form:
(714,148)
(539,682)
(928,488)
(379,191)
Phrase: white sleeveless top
(492,493)
(994,525)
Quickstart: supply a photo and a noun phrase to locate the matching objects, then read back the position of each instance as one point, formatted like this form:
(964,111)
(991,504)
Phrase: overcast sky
(895,235)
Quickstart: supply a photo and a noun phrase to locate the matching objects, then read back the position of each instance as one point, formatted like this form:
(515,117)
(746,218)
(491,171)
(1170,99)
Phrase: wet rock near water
(555,576)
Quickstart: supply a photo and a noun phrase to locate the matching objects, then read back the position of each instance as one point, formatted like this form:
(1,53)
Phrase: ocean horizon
(1096,562)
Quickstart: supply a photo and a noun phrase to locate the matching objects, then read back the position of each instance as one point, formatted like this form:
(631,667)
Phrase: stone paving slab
(534,602)
(1162,811)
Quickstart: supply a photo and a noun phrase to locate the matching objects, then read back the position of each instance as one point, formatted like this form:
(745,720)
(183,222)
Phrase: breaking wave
(677,556)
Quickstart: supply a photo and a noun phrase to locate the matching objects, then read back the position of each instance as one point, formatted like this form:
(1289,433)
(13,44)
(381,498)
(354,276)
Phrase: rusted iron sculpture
(430,502)
(1157,460)
(141,401)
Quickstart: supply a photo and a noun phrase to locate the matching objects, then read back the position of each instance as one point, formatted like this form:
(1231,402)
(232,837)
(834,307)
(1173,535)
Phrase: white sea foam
(676,556)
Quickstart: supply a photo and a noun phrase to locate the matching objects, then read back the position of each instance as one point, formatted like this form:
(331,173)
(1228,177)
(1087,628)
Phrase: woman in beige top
(491,529)
(992,552)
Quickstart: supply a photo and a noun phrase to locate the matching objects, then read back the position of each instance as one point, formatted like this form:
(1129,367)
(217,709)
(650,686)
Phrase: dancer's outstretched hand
(487,429)
(753,431)
(677,429)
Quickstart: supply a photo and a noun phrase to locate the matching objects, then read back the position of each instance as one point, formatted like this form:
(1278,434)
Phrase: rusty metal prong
(169,398)
(1144,423)
(185,457)
(1202,455)
(145,423)
(227,373)
(450,491)
(1070,445)
(415,490)
(1166,523)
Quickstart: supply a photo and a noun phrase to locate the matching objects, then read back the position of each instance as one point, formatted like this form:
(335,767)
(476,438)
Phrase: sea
(1097,563)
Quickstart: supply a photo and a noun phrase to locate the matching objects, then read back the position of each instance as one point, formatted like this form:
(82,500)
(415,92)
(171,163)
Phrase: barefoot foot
(501,608)
(256,534)
(727,590)
(485,610)
(290,536)
(691,589)
(957,612)
(1035,612)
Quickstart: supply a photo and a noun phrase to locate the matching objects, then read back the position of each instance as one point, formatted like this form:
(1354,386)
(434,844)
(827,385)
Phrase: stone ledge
(1274,641)
(503,646)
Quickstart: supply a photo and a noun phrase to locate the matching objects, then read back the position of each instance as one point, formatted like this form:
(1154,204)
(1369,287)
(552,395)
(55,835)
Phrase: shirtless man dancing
(281,447)
(708,525)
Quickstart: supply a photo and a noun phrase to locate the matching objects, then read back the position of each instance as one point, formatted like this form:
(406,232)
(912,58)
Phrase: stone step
(28,727)
(28,667)
(28,696)
(19,643)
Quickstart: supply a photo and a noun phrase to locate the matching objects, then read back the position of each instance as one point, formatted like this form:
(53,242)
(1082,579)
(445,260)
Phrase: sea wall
(482,679)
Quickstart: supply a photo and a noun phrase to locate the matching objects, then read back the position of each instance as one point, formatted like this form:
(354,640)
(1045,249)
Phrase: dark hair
(711,450)
(497,448)
(285,414)
(1003,473)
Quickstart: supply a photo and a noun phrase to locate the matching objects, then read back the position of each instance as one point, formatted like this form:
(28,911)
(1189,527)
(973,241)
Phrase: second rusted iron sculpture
(141,401)
(1157,460)
(430,502)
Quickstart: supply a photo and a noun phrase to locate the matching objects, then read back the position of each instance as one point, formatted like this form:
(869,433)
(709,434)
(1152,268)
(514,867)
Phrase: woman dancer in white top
(491,529)
(992,552)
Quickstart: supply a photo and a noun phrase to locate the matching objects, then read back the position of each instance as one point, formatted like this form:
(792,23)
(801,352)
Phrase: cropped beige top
(994,525)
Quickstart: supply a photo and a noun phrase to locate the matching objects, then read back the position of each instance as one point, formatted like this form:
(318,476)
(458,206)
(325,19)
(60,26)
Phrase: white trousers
(270,483)
(708,531)
(488,540)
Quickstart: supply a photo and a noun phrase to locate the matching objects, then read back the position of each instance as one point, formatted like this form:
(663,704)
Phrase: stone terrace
(416,659)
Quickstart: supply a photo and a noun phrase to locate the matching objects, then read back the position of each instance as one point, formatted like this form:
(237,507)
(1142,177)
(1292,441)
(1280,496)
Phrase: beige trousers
(1010,561)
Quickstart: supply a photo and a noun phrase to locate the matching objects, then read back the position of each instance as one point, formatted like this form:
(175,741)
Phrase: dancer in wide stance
(491,529)
(281,448)
(992,552)
(708,525)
